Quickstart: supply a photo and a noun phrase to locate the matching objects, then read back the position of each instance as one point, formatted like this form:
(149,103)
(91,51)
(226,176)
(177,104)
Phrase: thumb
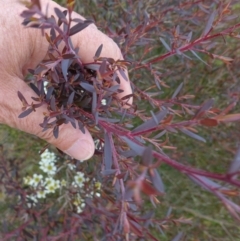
(70,140)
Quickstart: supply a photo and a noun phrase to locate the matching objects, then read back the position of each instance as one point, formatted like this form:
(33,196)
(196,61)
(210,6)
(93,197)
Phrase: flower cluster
(47,183)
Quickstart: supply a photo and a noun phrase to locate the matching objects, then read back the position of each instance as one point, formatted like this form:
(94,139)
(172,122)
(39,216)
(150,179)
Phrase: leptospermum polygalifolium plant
(130,155)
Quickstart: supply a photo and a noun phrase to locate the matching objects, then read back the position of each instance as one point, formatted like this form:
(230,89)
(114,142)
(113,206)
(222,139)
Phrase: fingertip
(81,149)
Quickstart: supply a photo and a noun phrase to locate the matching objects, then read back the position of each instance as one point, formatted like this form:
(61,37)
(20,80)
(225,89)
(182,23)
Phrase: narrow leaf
(103,67)
(79,27)
(189,37)
(178,237)
(235,165)
(229,118)
(88,87)
(21,97)
(123,74)
(56,131)
(49,93)
(151,123)
(70,98)
(209,24)
(193,135)
(177,90)
(195,54)
(108,172)
(53,104)
(209,122)
(107,156)
(156,180)
(99,50)
(165,44)
(147,156)
(148,189)
(68,56)
(59,13)
(134,146)
(93,66)
(94,102)
(65,64)
(207,183)
(205,106)
(35,89)
(25,113)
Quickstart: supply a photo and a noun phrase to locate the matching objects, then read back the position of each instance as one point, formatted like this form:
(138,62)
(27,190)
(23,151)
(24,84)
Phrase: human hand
(23,48)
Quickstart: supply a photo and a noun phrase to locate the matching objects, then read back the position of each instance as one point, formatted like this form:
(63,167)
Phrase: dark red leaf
(176,92)
(149,124)
(70,99)
(88,87)
(156,180)
(209,24)
(21,97)
(52,34)
(148,189)
(209,122)
(59,13)
(205,106)
(178,237)
(235,165)
(103,67)
(147,156)
(64,19)
(68,56)
(99,50)
(25,113)
(56,131)
(35,89)
(79,27)
(134,146)
(136,228)
(165,44)
(36,3)
(53,104)
(123,74)
(65,64)
(107,156)
(27,13)
(193,135)
(94,102)
(49,93)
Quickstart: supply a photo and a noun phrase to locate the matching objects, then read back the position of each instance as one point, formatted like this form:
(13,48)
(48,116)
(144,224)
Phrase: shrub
(105,198)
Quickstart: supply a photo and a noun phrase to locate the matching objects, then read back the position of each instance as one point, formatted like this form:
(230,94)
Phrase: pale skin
(23,48)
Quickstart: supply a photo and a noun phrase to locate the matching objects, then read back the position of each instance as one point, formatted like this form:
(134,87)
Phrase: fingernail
(81,150)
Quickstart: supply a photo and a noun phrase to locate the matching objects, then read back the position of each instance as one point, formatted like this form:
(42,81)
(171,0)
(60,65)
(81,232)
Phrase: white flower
(79,180)
(26,180)
(41,194)
(98,194)
(33,200)
(48,168)
(103,102)
(35,180)
(45,84)
(90,194)
(49,181)
(81,207)
(71,166)
(79,203)
(47,157)
(63,183)
(51,185)
(97,185)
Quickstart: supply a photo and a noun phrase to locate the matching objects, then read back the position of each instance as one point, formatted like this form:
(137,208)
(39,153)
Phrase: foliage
(132,140)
